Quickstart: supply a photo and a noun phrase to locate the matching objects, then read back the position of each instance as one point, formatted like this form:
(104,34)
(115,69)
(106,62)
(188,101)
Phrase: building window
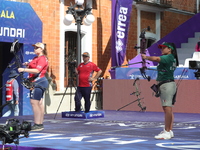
(70,58)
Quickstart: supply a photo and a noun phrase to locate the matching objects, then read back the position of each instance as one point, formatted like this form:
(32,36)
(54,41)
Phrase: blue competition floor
(118,130)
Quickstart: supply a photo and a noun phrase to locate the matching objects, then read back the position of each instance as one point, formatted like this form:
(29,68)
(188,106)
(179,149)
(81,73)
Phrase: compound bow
(136,93)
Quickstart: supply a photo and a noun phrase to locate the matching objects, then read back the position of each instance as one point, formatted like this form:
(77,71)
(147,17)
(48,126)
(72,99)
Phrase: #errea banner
(121,11)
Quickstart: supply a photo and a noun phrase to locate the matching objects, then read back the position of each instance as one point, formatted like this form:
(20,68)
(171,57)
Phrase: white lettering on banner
(119,45)
(12,32)
(6,14)
(121,28)
(30,60)
(96,115)
(28,95)
(29,53)
(132,76)
(73,115)
(181,76)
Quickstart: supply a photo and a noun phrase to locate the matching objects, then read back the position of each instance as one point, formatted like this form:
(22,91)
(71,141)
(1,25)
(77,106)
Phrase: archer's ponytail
(45,50)
(174,52)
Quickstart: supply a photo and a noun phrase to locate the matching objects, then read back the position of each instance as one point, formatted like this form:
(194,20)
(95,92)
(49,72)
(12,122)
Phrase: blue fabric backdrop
(19,21)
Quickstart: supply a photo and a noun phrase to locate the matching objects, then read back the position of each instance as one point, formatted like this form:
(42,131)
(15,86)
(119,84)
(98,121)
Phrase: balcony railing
(160,3)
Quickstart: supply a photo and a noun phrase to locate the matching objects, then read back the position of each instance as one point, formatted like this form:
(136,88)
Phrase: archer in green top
(167,65)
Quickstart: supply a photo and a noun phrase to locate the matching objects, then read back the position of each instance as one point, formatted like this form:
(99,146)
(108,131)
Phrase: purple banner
(121,11)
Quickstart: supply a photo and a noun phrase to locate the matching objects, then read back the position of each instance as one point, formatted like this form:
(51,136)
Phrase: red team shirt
(85,71)
(40,63)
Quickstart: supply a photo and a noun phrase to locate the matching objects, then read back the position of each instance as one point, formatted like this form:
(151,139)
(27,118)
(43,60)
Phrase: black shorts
(39,88)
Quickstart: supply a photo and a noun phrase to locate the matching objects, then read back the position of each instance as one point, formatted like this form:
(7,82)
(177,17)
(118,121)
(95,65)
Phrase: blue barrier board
(83,115)
(133,73)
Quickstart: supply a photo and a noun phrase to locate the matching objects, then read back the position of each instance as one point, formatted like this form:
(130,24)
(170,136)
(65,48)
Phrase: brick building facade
(50,11)
(97,37)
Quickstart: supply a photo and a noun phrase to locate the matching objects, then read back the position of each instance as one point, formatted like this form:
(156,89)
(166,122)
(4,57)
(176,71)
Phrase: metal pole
(197,6)
(78,21)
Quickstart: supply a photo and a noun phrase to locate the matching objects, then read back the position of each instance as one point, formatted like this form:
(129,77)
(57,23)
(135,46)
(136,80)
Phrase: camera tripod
(3,139)
(70,85)
(98,95)
(137,94)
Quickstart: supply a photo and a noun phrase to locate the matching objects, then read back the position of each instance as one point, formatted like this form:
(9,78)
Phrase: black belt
(166,81)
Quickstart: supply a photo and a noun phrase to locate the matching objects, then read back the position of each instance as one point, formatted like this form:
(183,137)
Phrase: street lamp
(78,13)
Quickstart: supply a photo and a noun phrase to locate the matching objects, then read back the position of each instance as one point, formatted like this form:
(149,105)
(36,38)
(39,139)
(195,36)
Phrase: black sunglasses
(36,47)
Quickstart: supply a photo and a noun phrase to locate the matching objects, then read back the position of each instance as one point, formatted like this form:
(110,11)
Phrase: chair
(195,57)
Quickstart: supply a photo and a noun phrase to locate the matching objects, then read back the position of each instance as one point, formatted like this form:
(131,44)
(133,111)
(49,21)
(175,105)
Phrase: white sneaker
(172,133)
(164,135)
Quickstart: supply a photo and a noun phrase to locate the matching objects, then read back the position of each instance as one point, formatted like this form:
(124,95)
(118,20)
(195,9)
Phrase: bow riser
(143,51)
